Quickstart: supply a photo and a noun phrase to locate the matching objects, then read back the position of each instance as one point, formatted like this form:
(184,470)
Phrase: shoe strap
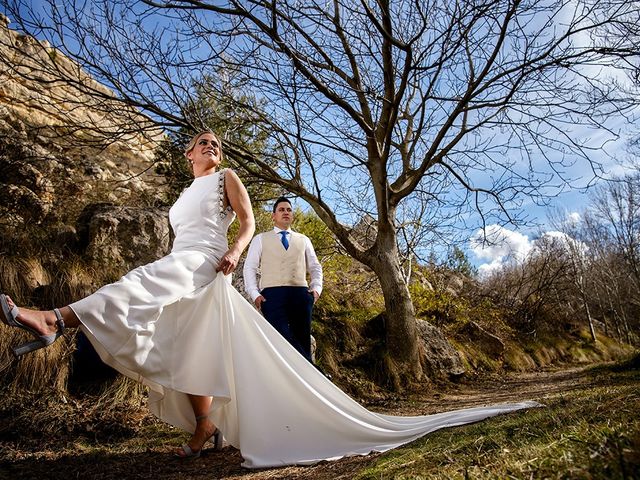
(188,450)
(60,320)
(201,417)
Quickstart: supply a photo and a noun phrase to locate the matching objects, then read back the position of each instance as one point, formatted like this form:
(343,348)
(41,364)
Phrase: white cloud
(553,235)
(574,218)
(497,245)
(568,243)
(503,246)
(488,268)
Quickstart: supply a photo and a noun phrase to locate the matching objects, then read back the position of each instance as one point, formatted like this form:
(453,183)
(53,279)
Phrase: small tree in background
(212,109)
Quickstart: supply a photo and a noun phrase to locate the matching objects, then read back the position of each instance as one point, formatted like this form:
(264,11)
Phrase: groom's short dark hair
(279,201)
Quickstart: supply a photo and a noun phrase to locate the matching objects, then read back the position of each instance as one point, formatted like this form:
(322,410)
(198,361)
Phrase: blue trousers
(288,309)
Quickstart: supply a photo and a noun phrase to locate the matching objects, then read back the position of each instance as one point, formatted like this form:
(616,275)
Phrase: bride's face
(206,152)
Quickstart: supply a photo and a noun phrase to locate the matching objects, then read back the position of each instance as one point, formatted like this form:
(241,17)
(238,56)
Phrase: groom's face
(283,216)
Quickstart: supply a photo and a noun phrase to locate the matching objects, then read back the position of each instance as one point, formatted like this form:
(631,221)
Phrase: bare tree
(613,289)
(617,207)
(395,110)
(578,259)
(602,252)
(535,290)
(614,222)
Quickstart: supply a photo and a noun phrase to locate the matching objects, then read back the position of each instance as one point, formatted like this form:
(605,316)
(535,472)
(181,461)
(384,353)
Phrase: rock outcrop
(484,340)
(123,237)
(441,358)
(45,92)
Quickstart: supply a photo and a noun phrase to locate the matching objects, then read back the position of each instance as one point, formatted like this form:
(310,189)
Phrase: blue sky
(516,243)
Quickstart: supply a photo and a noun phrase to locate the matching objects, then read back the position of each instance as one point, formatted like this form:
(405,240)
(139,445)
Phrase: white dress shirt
(252,264)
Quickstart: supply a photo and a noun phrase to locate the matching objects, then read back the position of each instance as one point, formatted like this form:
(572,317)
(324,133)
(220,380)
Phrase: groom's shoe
(10,317)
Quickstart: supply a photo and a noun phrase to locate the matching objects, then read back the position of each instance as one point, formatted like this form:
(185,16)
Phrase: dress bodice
(199,218)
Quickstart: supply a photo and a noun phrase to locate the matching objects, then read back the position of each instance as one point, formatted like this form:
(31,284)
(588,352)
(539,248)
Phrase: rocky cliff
(71,159)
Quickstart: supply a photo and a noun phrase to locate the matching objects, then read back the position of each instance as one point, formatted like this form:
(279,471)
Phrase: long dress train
(179,327)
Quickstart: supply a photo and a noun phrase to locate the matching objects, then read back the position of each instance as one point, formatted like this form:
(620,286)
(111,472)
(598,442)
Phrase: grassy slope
(589,431)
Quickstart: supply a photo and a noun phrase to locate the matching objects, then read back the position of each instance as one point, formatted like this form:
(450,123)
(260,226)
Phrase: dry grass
(590,428)
(20,276)
(43,369)
(45,283)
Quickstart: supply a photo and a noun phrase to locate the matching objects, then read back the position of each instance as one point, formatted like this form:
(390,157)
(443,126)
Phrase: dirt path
(158,464)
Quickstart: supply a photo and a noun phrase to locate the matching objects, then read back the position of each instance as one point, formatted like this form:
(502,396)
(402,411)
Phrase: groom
(283,258)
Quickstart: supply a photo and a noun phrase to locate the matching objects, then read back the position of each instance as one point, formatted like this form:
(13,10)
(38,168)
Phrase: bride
(213,364)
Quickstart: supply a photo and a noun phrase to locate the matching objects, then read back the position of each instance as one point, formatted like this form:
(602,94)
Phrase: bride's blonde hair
(192,143)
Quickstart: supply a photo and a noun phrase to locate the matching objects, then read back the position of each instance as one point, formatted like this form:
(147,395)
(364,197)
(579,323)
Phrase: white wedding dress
(179,327)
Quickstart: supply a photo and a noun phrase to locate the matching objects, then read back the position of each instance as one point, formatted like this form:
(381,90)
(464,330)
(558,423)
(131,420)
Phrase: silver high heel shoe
(215,438)
(10,317)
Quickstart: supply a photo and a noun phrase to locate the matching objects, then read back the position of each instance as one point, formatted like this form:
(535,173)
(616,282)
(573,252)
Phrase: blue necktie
(285,241)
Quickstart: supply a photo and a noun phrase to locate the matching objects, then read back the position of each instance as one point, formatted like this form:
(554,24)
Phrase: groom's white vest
(280,267)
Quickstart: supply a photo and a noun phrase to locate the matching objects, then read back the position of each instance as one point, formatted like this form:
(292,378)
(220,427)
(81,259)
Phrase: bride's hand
(228,262)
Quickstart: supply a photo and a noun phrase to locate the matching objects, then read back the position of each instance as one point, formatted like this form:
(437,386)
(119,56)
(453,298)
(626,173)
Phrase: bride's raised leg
(45,325)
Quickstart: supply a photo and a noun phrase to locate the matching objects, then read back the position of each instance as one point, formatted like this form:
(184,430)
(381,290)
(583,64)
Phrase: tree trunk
(592,330)
(625,326)
(401,333)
